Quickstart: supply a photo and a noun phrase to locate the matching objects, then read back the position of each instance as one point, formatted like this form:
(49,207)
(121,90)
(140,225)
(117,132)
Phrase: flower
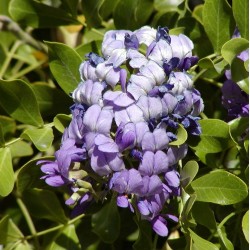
(128,108)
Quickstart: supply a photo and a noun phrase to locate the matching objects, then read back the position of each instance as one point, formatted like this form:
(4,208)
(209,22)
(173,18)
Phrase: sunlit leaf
(220,187)
(233,47)
(6,172)
(41,137)
(9,231)
(19,101)
(181,136)
(200,243)
(217,20)
(238,127)
(245,225)
(64,63)
(20,149)
(214,138)
(61,121)
(188,172)
(67,239)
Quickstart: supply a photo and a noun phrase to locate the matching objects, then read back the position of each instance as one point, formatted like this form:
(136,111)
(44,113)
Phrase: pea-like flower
(128,108)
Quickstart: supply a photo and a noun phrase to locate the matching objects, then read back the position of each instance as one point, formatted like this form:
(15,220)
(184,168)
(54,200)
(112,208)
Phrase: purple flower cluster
(234,99)
(128,108)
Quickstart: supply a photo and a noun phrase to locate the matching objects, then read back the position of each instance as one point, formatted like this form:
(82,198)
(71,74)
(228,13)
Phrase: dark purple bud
(94,59)
(131,41)
(168,66)
(163,33)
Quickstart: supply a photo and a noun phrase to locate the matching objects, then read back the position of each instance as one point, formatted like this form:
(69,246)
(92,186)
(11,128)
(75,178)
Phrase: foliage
(42,44)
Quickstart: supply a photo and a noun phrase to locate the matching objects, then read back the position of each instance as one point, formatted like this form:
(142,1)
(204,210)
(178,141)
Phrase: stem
(13,141)
(27,70)
(28,220)
(97,32)
(155,242)
(203,116)
(55,228)
(8,58)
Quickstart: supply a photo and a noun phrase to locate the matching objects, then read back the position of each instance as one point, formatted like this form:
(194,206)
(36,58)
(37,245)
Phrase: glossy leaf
(217,20)
(214,138)
(9,231)
(67,239)
(220,187)
(15,102)
(8,126)
(188,172)
(6,172)
(91,12)
(181,136)
(29,176)
(61,121)
(238,71)
(127,15)
(166,5)
(206,218)
(51,101)
(2,141)
(244,85)
(42,138)
(71,6)
(35,14)
(93,46)
(20,149)
(241,15)
(197,13)
(64,63)
(233,47)
(200,243)
(106,222)
(245,225)
(237,127)
(44,204)
(224,241)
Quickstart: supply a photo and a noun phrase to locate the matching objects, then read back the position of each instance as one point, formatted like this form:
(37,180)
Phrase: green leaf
(245,225)
(20,149)
(106,222)
(64,63)
(217,20)
(90,10)
(93,46)
(197,13)
(166,5)
(8,126)
(244,85)
(188,172)
(9,231)
(44,204)
(2,141)
(224,241)
(38,15)
(200,243)
(107,8)
(239,72)
(233,47)
(51,101)
(62,121)
(237,127)
(181,136)
(220,187)
(41,137)
(19,101)
(241,15)
(6,172)
(67,239)
(144,240)
(214,138)
(71,6)
(206,218)
(29,175)
(133,17)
